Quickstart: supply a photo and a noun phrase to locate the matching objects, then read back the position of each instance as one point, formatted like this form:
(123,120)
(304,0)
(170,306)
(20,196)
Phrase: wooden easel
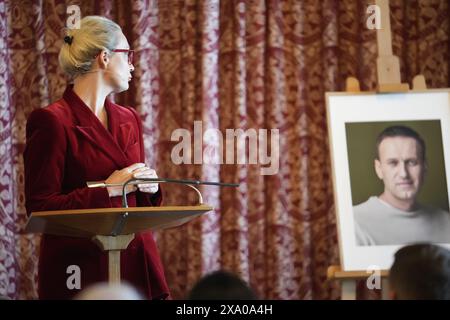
(389,80)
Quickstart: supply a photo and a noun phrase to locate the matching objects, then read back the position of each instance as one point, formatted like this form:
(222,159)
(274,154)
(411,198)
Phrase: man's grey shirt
(379,223)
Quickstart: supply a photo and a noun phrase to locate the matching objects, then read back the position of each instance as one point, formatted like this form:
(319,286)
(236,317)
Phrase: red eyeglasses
(129,52)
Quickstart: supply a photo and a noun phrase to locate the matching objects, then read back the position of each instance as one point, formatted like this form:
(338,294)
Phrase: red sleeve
(145,199)
(44,161)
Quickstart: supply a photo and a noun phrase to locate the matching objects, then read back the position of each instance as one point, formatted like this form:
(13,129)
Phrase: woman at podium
(86,137)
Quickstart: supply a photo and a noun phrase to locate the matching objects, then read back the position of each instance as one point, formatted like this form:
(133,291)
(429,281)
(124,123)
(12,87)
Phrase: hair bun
(68,39)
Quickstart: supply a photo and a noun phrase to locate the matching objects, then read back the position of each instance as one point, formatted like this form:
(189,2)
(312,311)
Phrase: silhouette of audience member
(420,272)
(221,285)
(105,291)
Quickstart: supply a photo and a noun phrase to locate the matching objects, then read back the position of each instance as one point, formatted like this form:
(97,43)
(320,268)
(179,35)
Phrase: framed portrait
(390,158)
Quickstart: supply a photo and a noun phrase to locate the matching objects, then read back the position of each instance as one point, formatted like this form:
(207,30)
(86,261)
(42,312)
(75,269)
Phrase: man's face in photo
(401,167)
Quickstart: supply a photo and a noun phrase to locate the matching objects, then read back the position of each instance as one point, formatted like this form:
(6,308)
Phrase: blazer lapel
(89,127)
(106,144)
(121,130)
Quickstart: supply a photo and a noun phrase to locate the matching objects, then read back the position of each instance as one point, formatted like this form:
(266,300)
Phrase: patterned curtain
(230,64)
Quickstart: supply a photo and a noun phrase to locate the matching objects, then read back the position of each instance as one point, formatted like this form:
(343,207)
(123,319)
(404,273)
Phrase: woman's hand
(146,172)
(122,176)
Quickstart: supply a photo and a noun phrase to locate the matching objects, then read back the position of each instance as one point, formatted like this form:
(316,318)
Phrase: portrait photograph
(389,160)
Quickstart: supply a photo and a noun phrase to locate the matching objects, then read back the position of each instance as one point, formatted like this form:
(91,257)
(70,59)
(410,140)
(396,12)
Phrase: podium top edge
(119,210)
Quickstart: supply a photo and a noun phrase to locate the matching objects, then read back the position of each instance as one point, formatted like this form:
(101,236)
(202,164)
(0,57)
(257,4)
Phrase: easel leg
(385,289)
(348,289)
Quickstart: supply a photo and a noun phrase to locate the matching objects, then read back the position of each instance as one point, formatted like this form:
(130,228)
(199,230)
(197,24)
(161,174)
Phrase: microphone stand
(118,226)
(134,181)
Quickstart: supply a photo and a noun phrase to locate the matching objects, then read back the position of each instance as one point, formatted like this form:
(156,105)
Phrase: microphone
(134,181)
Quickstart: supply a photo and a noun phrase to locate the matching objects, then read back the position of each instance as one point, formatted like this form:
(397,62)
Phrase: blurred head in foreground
(420,271)
(105,291)
(221,285)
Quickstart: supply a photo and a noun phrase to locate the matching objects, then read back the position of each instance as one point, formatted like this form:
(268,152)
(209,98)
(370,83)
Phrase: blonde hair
(80,46)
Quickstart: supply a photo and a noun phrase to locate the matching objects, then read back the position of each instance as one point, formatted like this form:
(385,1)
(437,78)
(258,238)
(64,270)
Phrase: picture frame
(355,121)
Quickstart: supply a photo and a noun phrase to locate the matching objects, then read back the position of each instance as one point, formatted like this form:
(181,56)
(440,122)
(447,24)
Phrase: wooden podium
(111,228)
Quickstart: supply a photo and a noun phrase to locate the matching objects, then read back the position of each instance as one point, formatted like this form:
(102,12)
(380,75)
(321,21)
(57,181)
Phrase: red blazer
(66,146)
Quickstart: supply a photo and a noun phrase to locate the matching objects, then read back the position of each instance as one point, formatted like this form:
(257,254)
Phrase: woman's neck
(91,89)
